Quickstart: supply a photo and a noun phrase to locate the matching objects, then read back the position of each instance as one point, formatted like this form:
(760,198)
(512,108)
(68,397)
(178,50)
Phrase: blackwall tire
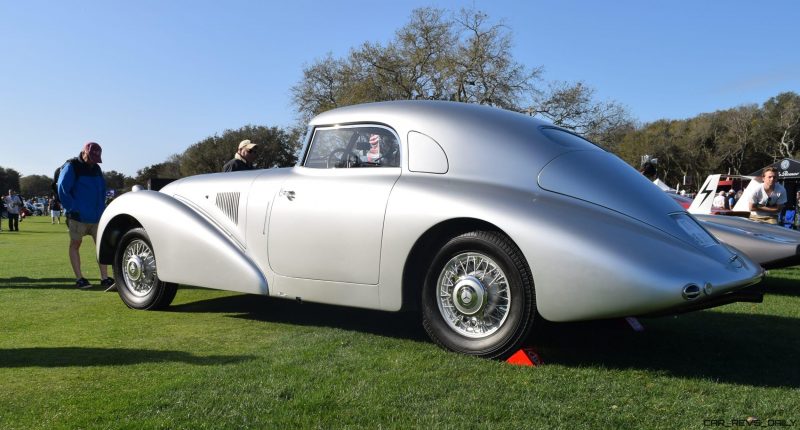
(136,273)
(478,297)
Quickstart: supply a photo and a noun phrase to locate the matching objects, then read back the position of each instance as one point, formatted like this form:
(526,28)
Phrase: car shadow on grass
(755,350)
(80,356)
(402,325)
(38,283)
(782,287)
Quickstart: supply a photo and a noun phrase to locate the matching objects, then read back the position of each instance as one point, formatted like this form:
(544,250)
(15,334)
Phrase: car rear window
(567,139)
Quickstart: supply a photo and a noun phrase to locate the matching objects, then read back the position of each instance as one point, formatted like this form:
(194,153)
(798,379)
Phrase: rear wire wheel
(136,273)
(478,298)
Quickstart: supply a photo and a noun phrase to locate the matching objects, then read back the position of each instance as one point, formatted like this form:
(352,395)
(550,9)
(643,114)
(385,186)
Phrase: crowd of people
(726,199)
(16,208)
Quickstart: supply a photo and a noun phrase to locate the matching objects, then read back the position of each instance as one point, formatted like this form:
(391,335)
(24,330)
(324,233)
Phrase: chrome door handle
(288,194)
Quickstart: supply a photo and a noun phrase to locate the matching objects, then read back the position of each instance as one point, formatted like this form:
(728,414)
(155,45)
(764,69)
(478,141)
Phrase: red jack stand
(525,357)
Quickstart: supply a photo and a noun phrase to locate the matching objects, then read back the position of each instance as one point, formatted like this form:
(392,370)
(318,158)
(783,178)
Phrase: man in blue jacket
(82,191)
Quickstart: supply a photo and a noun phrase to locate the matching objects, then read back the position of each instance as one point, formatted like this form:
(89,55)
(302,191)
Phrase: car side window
(353,147)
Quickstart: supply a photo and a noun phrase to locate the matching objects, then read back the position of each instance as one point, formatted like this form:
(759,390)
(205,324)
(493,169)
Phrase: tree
(573,106)
(277,148)
(697,146)
(735,143)
(35,186)
(466,59)
(322,87)
(417,64)
(738,140)
(167,169)
(781,126)
(486,72)
(9,180)
(114,180)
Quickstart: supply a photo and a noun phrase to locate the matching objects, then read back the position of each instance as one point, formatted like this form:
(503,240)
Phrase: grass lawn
(81,359)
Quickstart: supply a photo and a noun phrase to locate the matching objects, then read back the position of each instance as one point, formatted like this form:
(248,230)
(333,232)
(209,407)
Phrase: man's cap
(722,193)
(93,151)
(247,144)
(374,139)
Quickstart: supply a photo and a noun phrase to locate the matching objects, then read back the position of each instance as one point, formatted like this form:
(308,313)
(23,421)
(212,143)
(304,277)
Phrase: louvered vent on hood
(229,204)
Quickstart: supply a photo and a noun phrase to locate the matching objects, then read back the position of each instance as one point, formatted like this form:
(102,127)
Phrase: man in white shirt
(13,206)
(768,200)
(719,200)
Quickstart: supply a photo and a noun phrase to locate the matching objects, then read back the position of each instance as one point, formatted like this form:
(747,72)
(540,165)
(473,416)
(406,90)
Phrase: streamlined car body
(482,219)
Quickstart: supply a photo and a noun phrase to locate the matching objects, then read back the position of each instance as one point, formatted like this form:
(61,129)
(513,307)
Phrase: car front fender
(189,248)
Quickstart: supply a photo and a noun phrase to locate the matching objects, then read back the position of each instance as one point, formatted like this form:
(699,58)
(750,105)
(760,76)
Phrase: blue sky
(148,78)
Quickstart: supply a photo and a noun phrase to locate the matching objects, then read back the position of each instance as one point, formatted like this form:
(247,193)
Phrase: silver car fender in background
(769,245)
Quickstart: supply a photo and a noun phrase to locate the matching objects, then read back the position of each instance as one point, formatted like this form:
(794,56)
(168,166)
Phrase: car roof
(476,138)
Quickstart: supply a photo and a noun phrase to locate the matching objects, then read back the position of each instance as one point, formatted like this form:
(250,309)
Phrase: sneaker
(108,284)
(83,284)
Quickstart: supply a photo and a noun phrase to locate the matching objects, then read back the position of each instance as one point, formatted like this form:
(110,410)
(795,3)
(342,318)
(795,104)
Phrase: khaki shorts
(79,229)
(764,219)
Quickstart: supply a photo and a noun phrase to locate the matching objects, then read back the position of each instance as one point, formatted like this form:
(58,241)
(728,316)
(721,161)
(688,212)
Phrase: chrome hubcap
(469,295)
(473,295)
(134,267)
(139,269)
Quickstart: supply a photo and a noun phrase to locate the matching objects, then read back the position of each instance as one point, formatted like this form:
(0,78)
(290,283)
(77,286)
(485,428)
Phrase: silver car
(771,246)
(482,219)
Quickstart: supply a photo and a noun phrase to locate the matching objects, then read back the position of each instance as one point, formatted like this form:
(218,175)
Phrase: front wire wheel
(137,273)
(139,268)
(478,296)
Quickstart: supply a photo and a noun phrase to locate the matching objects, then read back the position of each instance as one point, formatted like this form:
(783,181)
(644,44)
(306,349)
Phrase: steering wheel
(340,158)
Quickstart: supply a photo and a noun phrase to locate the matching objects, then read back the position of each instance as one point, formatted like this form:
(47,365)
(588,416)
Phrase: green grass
(81,359)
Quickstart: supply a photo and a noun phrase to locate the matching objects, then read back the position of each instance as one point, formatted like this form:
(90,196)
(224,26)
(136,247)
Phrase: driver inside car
(382,151)
(374,153)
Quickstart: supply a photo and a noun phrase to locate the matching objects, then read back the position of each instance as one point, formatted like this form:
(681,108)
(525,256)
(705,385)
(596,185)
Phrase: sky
(148,78)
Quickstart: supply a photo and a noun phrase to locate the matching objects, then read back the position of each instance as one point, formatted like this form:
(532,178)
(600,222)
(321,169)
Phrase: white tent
(664,187)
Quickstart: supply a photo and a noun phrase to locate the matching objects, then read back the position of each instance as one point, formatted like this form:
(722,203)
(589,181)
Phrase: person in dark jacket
(55,209)
(243,159)
(82,192)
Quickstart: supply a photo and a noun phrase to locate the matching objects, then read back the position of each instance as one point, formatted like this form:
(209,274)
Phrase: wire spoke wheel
(473,295)
(139,268)
(478,297)
(138,283)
